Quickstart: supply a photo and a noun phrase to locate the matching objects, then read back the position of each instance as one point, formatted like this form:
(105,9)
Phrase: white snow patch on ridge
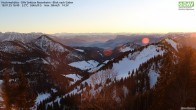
(85,65)
(42,97)
(75,77)
(80,50)
(172,43)
(126,49)
(153,78)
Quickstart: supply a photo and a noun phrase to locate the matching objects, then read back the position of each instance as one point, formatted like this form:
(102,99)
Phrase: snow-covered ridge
(126,49)
(12,47)
(127,64)
(134,60)
(172,43)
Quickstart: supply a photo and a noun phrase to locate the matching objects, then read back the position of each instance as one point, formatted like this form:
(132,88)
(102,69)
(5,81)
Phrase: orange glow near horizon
(145,40)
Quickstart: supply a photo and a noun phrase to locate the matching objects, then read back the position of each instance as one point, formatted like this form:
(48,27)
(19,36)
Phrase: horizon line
(97,32)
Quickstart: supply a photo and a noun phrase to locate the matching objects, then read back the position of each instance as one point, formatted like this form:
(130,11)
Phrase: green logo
(186,4)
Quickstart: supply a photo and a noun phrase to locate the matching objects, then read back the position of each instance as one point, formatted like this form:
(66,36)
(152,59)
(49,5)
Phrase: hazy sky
(85,16)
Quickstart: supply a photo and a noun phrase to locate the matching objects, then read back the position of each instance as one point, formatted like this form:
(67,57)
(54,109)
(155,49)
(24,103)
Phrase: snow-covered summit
(46,44)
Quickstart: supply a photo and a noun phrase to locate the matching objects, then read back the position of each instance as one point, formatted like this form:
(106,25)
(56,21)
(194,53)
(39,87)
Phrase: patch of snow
(106,61)
(74,91)
(126,91)
(115,96)
(85,65)
(53,90)
(172,43)
(153,77)
(37,60)
(72,54)
(75,77)
(42,97)
(1,81)
(32,60)
(80,50)
(44,61)
(126,49)
(100,53)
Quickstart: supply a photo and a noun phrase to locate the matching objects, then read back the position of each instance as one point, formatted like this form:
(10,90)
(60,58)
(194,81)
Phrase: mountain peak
(44,38)
(45,43)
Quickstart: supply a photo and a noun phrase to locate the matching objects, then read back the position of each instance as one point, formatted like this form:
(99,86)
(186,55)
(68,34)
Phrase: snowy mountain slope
(48,45)
(59,51)
(126,65)
(150,57)
(12,47)
(133,60)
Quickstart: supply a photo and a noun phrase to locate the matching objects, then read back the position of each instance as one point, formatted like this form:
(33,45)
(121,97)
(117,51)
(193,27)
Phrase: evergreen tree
(25,97)
(6,89)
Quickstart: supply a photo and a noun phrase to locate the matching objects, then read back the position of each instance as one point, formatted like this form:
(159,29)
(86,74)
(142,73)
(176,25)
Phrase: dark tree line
(17,93)
(177,86)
